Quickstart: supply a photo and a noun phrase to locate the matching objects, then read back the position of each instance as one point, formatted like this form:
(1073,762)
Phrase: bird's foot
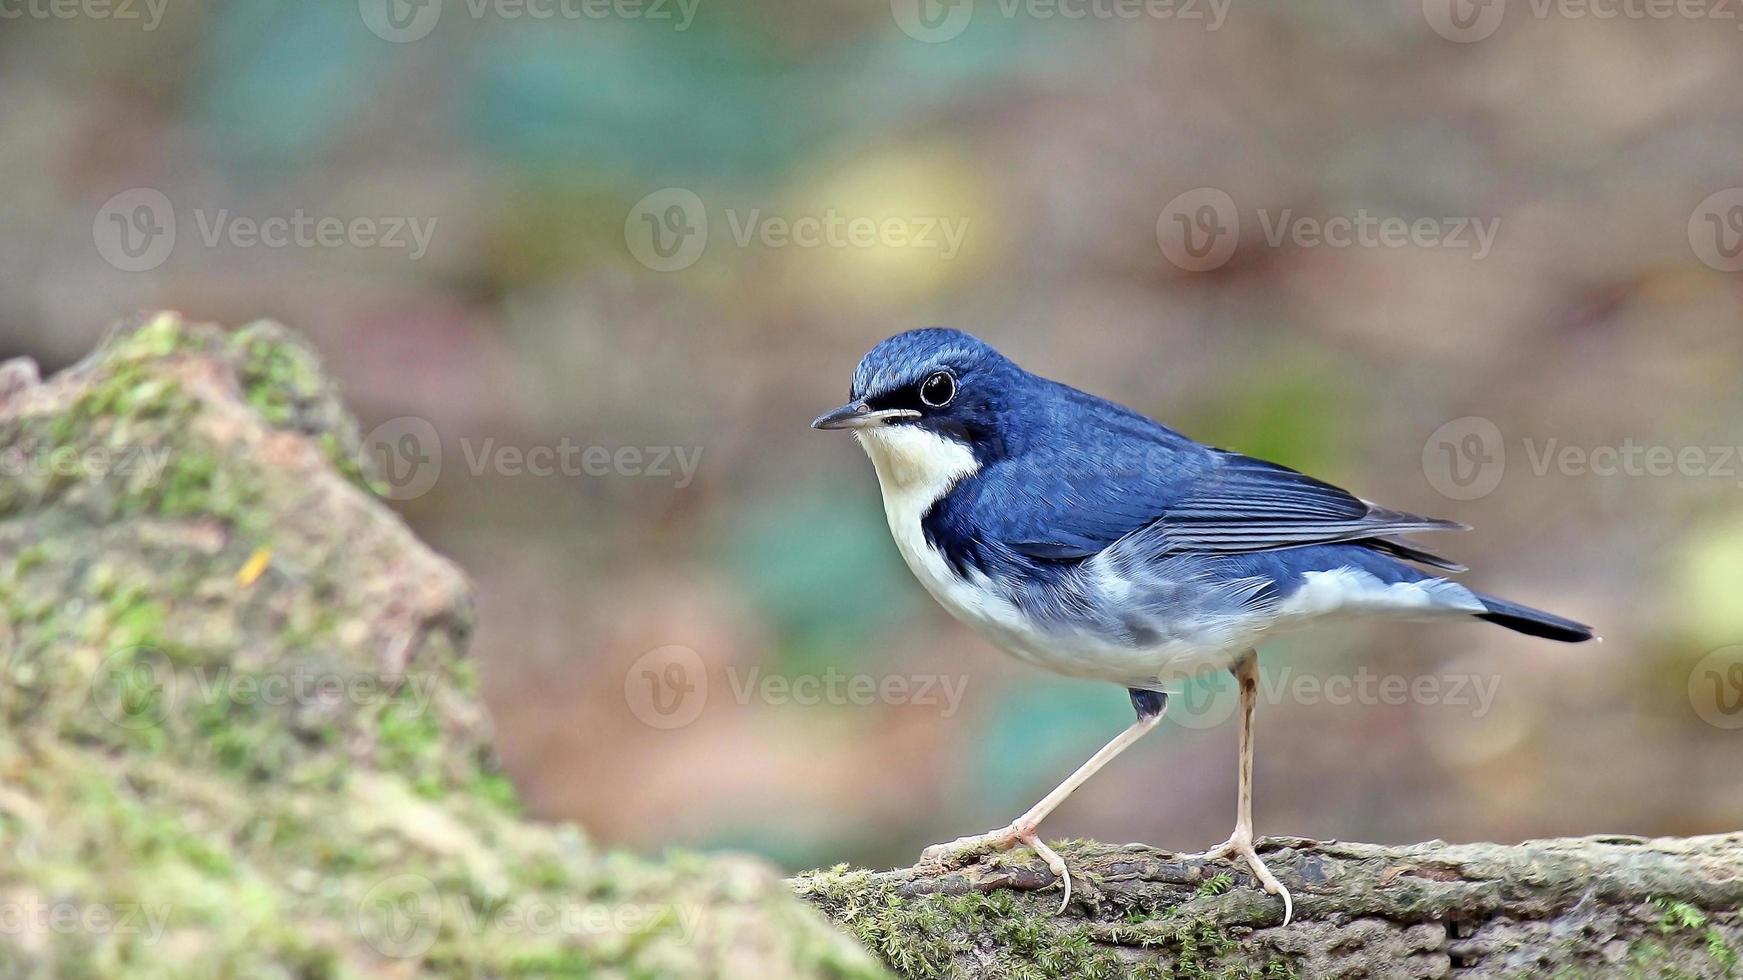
(963,850)
(959,852)
(1241,845)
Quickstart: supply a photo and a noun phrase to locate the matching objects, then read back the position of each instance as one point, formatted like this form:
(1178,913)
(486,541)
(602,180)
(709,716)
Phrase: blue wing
(1115,474)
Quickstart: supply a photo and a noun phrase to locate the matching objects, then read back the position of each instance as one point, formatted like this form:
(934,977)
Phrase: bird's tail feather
(1532,622)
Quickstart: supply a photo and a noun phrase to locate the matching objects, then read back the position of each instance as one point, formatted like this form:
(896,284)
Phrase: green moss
(410,740)
(28,559)
(283,381)
(495,789)
(279,376)
(145,763)
(929,935)
(1679,917)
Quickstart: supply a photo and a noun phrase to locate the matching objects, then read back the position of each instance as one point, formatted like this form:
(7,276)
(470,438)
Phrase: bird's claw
(1241,845)
(1055,864)
(959,852)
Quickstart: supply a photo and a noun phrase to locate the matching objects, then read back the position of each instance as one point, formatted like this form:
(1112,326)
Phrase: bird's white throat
(915,466)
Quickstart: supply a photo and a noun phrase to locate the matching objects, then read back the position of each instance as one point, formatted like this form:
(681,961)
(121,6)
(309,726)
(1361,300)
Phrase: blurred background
(589,267)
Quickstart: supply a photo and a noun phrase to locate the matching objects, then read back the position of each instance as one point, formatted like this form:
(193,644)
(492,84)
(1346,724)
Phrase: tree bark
(1596,906)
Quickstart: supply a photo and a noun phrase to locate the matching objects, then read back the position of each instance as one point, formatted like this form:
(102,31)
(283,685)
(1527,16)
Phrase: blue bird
(1089,540)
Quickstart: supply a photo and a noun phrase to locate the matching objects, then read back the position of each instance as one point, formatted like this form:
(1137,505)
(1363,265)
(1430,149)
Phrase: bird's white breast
(915,468)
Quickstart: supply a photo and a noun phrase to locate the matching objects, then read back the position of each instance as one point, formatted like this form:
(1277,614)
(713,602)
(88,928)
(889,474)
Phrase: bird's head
(931,400)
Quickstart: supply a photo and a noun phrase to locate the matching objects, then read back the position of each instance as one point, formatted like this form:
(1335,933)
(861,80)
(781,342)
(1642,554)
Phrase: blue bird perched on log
(1087,539)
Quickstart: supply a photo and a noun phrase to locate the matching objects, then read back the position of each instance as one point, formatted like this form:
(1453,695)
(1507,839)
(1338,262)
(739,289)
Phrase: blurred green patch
(1040,730)
(1299,411)
(1706,579)
(818,563)
(278,81)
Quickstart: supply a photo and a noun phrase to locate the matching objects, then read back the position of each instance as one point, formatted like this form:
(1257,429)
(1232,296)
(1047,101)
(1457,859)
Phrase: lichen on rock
(238,733)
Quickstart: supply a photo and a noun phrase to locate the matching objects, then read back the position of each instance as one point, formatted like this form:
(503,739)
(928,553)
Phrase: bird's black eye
(938,389)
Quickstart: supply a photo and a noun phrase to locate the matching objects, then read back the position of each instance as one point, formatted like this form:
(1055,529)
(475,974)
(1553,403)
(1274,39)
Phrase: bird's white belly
(1164,665)
(915,468)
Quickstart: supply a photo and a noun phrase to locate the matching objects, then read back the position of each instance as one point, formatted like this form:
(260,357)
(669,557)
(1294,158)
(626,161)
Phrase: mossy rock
(238,734)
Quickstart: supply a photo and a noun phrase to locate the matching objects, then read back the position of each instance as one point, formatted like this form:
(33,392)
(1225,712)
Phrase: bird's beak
(859,415)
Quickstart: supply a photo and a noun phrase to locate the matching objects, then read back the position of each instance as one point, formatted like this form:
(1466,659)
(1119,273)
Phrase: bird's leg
(1240,843)
(1150,706)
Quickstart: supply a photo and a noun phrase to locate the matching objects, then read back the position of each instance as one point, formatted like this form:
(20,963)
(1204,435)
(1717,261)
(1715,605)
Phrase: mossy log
(238,735)
(1585,907)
